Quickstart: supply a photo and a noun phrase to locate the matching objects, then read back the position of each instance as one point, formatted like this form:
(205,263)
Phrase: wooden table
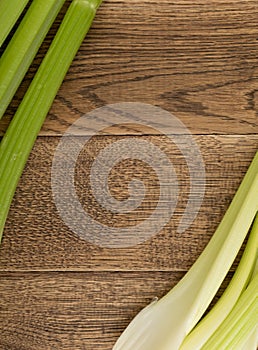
(195,59)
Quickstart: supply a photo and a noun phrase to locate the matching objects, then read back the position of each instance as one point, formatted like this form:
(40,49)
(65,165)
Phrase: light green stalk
(164,324)
(240,324)
(24,45)
(25,125)
(252,341)
(207,326)
(10,10)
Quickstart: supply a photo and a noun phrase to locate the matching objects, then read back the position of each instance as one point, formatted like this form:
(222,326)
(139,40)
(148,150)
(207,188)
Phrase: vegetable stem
(27,121)
(10,10)
(165,324)
(24,45)
(206,327)
(240,324)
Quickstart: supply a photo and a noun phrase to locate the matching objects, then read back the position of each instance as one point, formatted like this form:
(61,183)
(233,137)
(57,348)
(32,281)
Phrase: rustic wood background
(196,59)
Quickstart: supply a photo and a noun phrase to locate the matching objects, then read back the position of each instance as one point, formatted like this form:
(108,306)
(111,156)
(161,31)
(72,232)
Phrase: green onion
(24,45)
(26,123)
(207,326)
(240,324)
(10,10)
(165,323)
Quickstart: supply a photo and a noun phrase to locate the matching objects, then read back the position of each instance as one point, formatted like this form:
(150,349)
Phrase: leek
(164,324)
(10,10)
(27,121)
(24,45)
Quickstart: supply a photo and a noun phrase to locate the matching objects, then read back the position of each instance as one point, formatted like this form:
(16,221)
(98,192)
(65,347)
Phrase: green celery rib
(27,121)
(10,10)
(24,45)
(164,324)
(207,326)
(239,324)
(252,341)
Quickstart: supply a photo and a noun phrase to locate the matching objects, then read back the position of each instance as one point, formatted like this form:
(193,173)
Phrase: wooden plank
(79,311)
(36,238)
(73,310)
(197,60)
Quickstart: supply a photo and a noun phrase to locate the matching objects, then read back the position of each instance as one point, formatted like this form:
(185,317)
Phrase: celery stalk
(164,324)
(10,10)
(27,121)
(23,47)
(240,324)
(207,326)
(252,341)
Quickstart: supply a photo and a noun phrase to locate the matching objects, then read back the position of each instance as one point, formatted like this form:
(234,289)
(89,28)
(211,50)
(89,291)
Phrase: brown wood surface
(195,59)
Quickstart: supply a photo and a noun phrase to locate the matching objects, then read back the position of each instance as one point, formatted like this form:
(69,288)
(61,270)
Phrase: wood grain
(73,310)
(36,237)
(195,59)
(79,311)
